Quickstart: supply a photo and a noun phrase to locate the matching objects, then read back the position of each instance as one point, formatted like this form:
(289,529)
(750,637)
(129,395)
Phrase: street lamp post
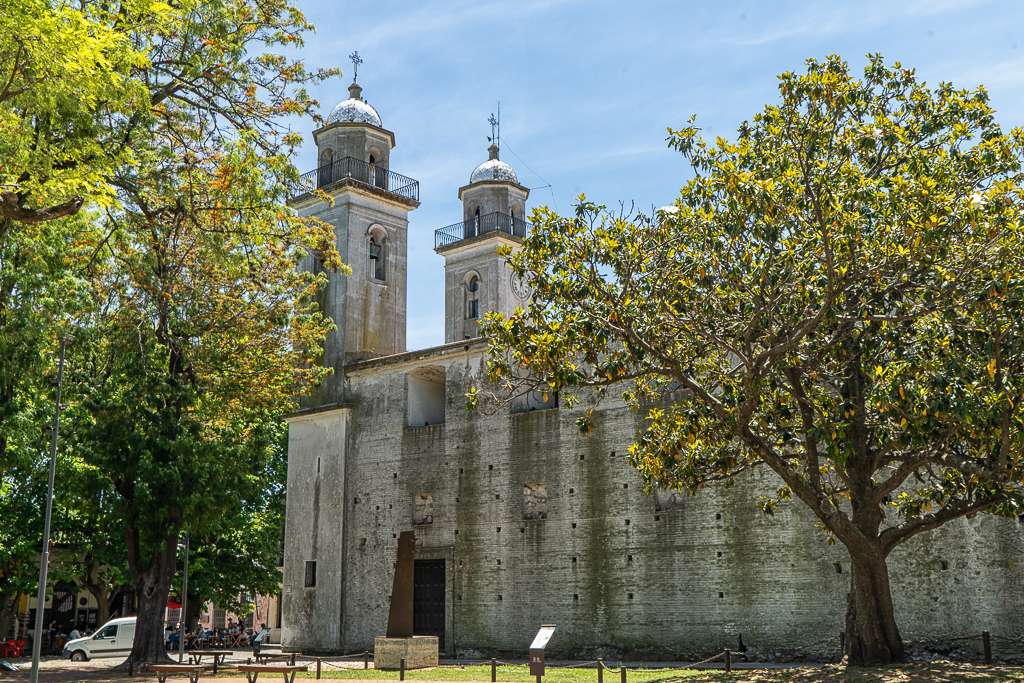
(44,559)
(184,606)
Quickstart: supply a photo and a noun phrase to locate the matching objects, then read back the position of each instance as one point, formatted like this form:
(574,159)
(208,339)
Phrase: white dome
(354,111)
(494,169)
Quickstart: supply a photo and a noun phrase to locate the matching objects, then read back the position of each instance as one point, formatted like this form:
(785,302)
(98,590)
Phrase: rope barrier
(581,665)
(704,661)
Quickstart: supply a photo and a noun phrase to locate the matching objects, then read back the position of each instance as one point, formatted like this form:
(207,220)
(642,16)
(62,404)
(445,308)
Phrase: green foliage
(837,293)
(37,287)
(167,120)
(239,555)
(64,70)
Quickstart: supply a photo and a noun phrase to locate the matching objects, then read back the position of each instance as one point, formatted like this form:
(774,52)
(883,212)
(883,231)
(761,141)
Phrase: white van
(113,639)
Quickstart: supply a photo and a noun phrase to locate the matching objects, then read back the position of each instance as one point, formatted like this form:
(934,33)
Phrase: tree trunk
(152,586)
(872,637)
(102,602)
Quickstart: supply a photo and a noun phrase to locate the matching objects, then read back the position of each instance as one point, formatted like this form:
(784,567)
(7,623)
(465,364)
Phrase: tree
(207,328)
(170,119)
(838,295)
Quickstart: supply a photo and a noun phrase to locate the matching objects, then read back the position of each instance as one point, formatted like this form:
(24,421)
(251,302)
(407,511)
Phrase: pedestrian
(75,633)
(259,639)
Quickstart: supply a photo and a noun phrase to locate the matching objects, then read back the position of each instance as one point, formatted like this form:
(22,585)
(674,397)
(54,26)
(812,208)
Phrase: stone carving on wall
(666,499)
(535,501)
(423,509)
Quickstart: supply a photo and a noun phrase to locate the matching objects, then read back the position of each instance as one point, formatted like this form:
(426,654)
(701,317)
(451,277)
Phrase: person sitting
(173,638)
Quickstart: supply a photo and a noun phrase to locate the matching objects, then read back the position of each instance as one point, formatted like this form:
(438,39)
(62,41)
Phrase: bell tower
(476,279)
(369,207)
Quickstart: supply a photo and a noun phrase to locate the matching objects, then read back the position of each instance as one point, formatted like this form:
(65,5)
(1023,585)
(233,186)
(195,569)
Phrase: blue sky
(587,88)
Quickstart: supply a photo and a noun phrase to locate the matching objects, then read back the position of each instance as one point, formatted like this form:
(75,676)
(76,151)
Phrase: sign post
(540,641)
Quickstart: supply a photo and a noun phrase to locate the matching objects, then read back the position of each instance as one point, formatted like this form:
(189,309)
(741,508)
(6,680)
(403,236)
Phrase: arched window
(475,224)
(372,170)
(377,252)
(325,172)
(472,296)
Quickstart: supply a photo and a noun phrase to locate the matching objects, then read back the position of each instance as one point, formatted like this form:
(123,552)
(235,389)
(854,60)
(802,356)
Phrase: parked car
(113,639)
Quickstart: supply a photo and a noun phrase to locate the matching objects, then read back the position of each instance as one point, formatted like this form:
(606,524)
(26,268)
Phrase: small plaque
(540,641)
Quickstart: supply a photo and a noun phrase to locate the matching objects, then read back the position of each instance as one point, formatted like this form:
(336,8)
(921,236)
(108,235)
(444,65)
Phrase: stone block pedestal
(418,651)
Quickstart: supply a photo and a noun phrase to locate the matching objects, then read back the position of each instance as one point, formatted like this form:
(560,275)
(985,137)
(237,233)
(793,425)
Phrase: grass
(933,672)
(513,674)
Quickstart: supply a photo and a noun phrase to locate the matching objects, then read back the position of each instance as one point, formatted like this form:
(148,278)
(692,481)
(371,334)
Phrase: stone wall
(617,570)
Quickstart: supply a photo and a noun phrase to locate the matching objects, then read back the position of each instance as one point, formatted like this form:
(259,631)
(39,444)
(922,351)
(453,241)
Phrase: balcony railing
(359,171)
(480,225)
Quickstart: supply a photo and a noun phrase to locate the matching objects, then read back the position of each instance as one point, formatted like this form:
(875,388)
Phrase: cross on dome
(356,61)
(355,109)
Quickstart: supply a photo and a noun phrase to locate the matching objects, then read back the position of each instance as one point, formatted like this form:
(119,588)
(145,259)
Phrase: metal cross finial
(356,61)
(494,122)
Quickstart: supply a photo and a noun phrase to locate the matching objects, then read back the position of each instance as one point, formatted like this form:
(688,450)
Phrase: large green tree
(838,293)
(170,118)
(204,338)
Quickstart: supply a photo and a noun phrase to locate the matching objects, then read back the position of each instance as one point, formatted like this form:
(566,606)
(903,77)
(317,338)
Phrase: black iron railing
(357,170)
(480,225)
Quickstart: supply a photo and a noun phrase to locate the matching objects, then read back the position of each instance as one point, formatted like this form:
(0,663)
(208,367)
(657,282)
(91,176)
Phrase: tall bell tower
(369,207)
(476,279)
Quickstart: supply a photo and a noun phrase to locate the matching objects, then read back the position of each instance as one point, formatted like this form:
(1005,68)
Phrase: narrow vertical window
(472,297)
(325,172)
(310,574)
(377,251)
(476,223)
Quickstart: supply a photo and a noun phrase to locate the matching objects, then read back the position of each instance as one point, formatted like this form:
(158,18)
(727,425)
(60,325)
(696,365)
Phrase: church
(519,518)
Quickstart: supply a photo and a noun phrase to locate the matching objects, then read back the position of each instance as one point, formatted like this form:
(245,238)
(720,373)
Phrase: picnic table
(252,671)
(162,671)
(218,657)
(267,657)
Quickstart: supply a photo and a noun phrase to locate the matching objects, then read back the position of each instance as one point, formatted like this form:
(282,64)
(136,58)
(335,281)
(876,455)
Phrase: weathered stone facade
(538,523)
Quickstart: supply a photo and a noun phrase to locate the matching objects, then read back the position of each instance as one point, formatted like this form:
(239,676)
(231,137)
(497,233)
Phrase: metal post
(986,646)
(366,660)
(494,671)
(728,660)
(600,671)
(184,611)
(401,669)
(44,560)
(539,677)
(622,672)
(318,668)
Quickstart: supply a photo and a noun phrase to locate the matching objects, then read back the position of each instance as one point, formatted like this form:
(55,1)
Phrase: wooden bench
(162,671)
(252,671)
(218,657)
(267,657)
